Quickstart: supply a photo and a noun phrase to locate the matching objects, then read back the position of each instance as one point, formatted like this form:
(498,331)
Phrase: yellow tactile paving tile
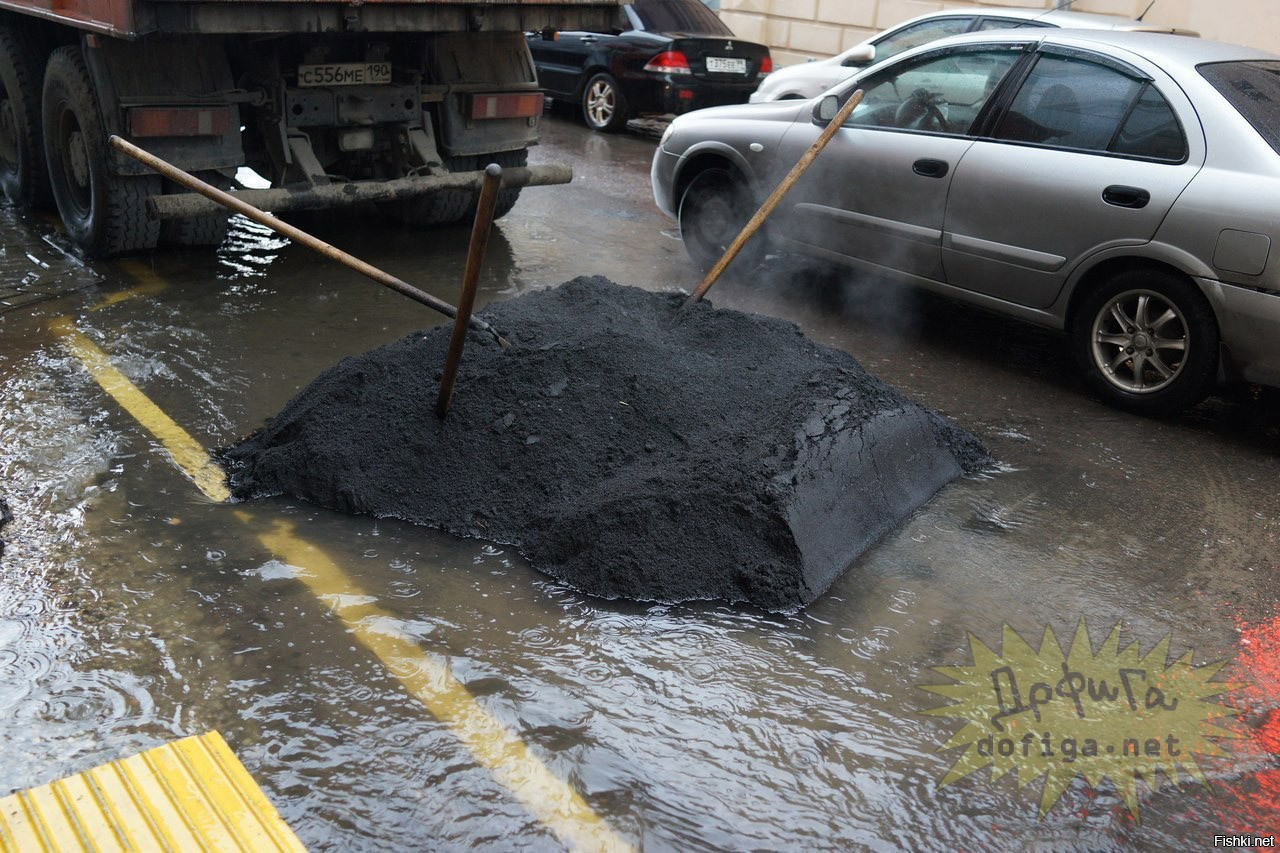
(192,794)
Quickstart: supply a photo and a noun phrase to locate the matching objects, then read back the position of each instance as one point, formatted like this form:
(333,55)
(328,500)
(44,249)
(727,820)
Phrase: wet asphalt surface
(133,610)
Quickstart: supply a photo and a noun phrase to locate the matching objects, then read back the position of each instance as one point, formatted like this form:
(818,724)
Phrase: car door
(878,193)
(1090,154)
(561,60)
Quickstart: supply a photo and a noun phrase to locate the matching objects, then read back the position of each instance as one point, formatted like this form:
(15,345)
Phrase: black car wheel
(713,210)
(603,106)
(1148,342)
(23,175)
(104,214)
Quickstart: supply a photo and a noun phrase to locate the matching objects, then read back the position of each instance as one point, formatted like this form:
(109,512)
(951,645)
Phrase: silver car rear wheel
(1140,341)
(1148,342)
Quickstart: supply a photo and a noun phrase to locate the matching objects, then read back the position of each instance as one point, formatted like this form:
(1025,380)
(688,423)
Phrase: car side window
(1069,102)
(1009,24)
(1152,130)
(921,33)
(939,93)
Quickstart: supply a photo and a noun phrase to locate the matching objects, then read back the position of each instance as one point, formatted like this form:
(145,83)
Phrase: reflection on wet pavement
(37,264)
(132,610)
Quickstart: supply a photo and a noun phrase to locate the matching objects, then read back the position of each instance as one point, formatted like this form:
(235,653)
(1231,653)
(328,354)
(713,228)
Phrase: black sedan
(662,56)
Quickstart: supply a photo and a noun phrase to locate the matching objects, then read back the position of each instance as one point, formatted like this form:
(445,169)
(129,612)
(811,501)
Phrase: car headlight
(666,134)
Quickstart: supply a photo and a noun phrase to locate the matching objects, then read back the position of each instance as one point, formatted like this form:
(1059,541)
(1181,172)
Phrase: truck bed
(135,18)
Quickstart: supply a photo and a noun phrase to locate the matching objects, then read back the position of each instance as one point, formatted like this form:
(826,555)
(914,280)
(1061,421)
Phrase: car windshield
(679,16)
(1253,88)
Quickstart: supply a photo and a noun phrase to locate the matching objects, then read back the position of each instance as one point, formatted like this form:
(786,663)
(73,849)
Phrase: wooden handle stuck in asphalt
(470,278)
(771,202)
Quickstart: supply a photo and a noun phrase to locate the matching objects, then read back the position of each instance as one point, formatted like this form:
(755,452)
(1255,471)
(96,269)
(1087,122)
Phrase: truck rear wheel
(197,230)
(452,206)
(104,213)
(23,175)
(508,160)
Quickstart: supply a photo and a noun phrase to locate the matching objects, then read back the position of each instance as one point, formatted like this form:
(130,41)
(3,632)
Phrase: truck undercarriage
(402,105)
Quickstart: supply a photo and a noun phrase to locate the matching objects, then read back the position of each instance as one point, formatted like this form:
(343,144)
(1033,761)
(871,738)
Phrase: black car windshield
(1253,88)
(679,16)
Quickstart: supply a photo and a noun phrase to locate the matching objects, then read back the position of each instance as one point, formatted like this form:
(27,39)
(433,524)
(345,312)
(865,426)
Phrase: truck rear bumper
(181,205)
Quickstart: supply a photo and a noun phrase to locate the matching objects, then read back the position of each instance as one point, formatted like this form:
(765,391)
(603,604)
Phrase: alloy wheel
(601,102)
(1140,341)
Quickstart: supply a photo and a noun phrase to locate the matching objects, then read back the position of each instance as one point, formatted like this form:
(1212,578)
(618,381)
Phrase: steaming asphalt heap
(625,446)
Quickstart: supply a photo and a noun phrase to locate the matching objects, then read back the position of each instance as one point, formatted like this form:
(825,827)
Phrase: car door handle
(930,168)
(1122,196)
(588,39)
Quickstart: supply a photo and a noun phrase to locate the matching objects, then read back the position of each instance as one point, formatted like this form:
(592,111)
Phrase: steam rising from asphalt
(785,275)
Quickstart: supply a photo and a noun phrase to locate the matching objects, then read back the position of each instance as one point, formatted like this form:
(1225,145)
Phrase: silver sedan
(1119,186)
(810,79)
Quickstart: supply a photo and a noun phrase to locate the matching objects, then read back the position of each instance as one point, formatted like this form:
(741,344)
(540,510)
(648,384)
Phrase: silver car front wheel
(713,209)
(1148,342)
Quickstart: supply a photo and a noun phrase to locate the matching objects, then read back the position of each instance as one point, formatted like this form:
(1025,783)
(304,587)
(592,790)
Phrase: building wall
(797,30)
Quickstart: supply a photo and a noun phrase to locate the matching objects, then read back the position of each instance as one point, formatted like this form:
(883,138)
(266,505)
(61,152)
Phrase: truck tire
(23,175)
(197,230)
(454,206)
(104,214)
(508,160)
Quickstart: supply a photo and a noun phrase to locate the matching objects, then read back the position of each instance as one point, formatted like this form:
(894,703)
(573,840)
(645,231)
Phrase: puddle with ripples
(132,611)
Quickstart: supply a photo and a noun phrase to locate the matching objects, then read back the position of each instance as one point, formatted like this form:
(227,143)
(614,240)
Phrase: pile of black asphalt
(623,445)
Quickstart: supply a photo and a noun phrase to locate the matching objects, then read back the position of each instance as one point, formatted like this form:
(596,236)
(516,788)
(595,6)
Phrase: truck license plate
(727,64)
(344,74)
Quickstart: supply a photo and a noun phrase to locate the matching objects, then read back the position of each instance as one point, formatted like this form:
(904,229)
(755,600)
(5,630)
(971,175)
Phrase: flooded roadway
(134,610)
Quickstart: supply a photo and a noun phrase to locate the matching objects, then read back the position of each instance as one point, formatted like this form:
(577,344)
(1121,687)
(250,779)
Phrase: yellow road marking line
(493,745)
(508,758)
(150,283)
(187,453)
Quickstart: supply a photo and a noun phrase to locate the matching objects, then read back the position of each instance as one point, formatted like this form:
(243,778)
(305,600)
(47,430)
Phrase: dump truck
(398,103)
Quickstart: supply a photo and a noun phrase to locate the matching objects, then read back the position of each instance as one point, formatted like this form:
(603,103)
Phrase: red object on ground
(1250,805)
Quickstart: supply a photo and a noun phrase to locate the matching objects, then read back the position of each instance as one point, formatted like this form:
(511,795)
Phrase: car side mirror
(549,34)
(826,109)
(861,55)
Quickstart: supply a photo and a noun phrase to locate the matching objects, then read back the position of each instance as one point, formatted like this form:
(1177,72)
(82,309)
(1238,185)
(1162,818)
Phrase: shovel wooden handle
(470,278)
(771,202)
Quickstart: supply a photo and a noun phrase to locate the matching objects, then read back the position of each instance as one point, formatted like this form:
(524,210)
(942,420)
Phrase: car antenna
(1060,5)
(1146,10)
